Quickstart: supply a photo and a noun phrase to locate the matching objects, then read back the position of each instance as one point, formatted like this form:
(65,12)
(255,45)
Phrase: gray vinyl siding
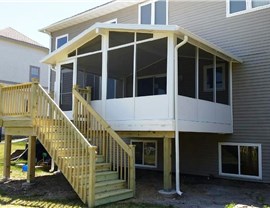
(127,15)
(248,37)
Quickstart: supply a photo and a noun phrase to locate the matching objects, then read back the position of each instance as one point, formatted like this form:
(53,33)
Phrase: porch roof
(61,53)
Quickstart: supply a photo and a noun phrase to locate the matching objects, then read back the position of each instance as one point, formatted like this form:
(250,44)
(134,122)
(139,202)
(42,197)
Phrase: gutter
(177,155)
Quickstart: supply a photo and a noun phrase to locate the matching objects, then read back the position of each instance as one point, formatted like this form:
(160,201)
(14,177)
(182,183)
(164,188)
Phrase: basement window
(145,153)
(240,160)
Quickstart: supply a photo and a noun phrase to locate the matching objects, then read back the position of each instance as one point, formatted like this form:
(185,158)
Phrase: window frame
(30,70)
(152,2)
(150,76)
(248,9)
(156,153)
(59,37)
(239,175)
(205,68)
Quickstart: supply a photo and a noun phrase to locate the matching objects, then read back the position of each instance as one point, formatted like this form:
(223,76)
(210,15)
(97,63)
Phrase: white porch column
(172,40)
(105,46)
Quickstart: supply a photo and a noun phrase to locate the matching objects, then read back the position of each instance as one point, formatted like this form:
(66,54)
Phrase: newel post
(92,176)
(33,107)
(88,95)
(131,167)
(75,104)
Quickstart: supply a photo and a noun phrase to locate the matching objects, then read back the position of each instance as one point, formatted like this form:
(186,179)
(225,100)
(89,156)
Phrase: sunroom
(147,78)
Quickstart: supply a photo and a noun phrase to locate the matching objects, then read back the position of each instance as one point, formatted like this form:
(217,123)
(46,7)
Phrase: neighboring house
(223,102)
(20,58)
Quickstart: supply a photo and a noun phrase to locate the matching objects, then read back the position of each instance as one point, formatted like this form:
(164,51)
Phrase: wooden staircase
(99,167)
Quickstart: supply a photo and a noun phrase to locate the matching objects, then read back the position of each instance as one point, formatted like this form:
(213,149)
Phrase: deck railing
(71,151)
(108,142)
(16,100)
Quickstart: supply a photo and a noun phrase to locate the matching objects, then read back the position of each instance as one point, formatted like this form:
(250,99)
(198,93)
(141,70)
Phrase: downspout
(177,155)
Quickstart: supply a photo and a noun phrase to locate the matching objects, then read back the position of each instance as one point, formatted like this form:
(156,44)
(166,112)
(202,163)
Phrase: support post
(7,153)
(131,167)
(31,159)
(92,176)
(75,105)
(34,98)
(167,174)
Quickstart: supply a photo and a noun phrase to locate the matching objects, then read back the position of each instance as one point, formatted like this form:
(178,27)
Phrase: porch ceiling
(98,28)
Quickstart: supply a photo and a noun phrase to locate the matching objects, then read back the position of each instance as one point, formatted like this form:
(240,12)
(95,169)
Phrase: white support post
(215,79)
(197,74)
(104,77)
(172,41)
(231,93)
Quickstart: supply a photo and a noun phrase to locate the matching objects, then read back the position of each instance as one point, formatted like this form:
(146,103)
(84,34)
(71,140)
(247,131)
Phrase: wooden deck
(98,164)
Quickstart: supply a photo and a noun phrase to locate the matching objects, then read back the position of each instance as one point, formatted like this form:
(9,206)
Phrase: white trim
(215,79)
(83,37)
(247,10)
(59,37)
(58,80)
(104,73)
(231,92)
(156,150)
(153,12)
(239,175)
(197,76)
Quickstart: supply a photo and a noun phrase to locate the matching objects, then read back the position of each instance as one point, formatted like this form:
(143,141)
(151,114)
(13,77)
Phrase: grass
(16,171)
(231,205)
(11,200)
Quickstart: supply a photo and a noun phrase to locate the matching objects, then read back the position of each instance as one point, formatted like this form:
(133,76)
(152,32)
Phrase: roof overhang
(109,7)
(61,53)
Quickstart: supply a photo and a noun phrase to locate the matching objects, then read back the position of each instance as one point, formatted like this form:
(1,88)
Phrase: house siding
(16,59)
(126,15)
(246,36)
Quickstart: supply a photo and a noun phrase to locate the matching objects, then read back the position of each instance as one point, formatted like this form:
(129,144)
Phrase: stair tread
(112,193)
(97,164)
(106,172)
(110,182)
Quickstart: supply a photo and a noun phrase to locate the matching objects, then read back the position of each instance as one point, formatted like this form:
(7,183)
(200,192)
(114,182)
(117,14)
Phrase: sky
(28,16)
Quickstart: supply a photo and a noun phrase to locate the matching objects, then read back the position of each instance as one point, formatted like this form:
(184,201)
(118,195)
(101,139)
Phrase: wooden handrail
(70,150)
(109,143)
(106,126)
(56,132)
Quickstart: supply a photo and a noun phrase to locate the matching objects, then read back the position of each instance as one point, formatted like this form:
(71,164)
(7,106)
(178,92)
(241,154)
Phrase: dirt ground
(199,192)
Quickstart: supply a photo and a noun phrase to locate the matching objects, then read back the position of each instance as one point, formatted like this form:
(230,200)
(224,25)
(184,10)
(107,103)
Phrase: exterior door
(66,85)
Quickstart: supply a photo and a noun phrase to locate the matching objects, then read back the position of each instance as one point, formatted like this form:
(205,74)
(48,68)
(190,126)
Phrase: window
(151,72)
(152,85)
(145,153)
(61,40)
(34,73)
(240,160)
(153,12)
(120,73)
(89,74)
(242,6)
(208,77)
